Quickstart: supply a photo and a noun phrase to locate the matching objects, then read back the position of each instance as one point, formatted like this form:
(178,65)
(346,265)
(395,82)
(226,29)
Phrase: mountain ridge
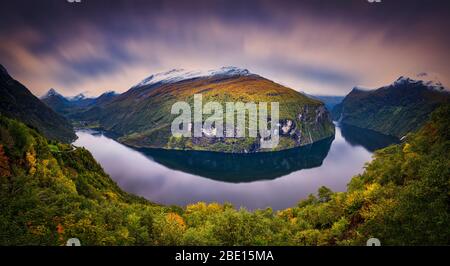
(396,109)
(16,101)
(68,106)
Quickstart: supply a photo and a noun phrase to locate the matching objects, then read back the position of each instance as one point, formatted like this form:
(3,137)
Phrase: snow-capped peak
(422,78)
(176,75)
(51,93)
(77,97)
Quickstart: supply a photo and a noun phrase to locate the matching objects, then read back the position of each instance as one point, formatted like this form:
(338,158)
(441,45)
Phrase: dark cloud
(325,46)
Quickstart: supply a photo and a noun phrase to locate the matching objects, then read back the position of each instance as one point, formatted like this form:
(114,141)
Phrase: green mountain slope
(17,101)
(141,117)
(393,110)
(50,192)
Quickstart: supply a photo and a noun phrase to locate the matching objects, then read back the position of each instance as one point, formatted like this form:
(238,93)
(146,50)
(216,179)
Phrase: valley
(107,193)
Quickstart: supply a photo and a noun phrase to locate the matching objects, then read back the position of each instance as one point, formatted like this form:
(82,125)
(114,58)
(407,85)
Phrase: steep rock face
(141,117)
(16,101)
(396,109)
(314,119)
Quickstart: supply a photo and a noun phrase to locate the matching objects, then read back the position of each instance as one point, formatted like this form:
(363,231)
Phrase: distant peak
(404,79)
(178,74)
(423,78)
(51,93)
(109,93)
(78,97)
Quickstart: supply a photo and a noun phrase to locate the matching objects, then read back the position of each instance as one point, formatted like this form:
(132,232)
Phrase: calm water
(278,180)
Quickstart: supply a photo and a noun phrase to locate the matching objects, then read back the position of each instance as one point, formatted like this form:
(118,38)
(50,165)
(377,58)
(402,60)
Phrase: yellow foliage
(124,233)
(293,220)
(353,199)
(38,230)
(339,198)
(374,211)
(31,161)
(371,191)
(215,207)
(286,213)
(199,206)
(111,195)
(407,148)
(203,207)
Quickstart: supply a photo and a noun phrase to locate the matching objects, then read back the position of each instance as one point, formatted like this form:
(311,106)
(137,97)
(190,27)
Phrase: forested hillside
(397,109)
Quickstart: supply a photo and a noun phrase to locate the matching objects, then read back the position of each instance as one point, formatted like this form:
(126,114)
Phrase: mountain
(77,98)
(329,101)
(80,101)
(56,101)
(141,117)
(105,98)
(68,106)
(396,109)
(16,101)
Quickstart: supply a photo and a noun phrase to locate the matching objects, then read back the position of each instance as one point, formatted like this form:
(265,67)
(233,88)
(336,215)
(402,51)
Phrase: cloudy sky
(321,47)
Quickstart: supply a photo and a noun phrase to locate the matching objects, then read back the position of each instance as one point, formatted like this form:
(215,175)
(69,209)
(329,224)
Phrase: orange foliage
(176,219)
(60,231)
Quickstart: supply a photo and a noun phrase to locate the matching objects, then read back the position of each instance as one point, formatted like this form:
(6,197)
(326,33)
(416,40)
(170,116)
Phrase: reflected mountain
(369,139)
(239,168)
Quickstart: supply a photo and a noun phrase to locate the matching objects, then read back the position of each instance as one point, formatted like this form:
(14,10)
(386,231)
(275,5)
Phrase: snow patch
(422,78)
(77,97)
(177,75)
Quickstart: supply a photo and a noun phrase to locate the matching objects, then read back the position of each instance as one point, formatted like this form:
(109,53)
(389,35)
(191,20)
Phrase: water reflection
(369,139)
(238,168)
(161,179)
